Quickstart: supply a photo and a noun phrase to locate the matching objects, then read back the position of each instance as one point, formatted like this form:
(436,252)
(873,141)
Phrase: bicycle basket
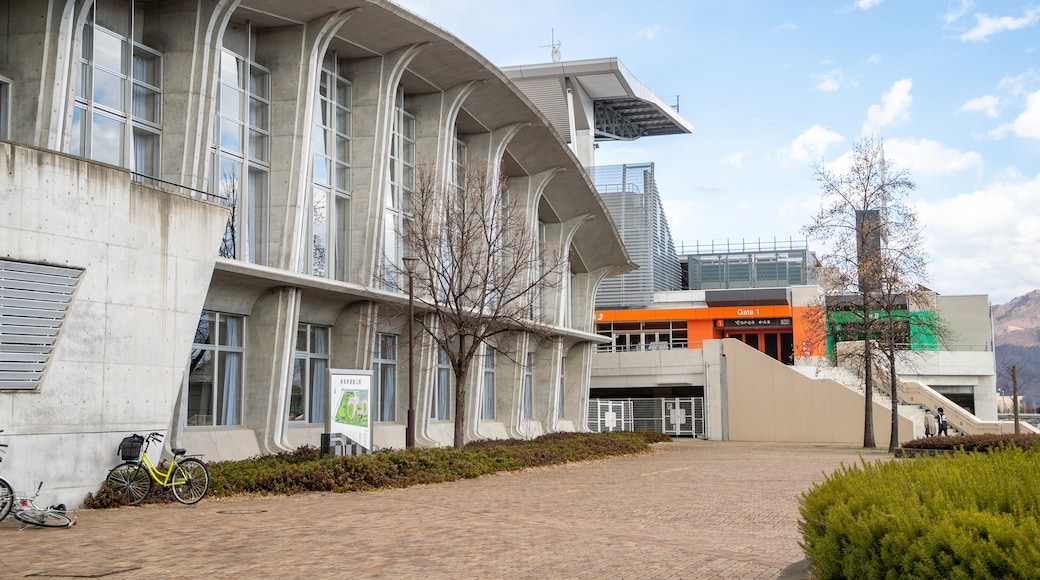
(130,447)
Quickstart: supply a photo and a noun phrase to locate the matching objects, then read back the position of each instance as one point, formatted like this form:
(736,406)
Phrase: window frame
(384,374)
(217,348)
(313,386)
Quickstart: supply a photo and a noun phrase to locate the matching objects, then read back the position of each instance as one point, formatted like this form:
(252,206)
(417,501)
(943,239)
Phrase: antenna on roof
(555,46)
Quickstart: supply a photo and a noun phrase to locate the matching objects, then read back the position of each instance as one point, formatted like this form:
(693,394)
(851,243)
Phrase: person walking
(929,423)
(941,419)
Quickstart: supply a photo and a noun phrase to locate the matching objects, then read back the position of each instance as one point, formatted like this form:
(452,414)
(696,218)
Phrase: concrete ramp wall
(768,401)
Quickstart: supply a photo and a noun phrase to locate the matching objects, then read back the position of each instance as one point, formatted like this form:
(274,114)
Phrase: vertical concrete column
(294,55)
(191,74)
(40,49)
(375,82)
(576,386)
(270,345)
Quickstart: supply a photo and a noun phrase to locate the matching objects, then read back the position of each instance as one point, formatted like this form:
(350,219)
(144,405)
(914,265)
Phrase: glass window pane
(231,330)
(319,340)
(77,139)
(296,400)
(108,89)
(200,388)
(258,145)
(106,140)
(230,135)
(108,50)
(318,374)
(321,170)
(341,233)
(229,378)
(319,233)
(146,104)
(259,84)
(145,158)
(258,113)
(146,68)
(258,215)
(231,71)
(83,83)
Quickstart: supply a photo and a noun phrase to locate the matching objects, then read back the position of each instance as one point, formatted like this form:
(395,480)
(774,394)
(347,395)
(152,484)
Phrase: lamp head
(410,264)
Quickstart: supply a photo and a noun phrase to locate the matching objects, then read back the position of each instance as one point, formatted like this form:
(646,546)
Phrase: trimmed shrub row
(966,515)
(305,470)
(974,442)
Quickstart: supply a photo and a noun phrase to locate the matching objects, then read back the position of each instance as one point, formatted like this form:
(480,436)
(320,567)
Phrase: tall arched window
(330,194)
(402,182)
(117,114)
(241,150)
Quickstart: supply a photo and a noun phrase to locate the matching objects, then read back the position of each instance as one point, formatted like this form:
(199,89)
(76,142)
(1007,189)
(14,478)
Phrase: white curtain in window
(232,374)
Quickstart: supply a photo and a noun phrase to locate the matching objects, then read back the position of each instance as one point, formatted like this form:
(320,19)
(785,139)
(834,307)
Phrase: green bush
(973,442)
(306,470)
(967,515)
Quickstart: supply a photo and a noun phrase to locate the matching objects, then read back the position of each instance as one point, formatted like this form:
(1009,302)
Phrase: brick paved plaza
(694,509)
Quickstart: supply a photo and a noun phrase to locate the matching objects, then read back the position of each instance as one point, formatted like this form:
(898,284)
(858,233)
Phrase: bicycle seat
(179,451)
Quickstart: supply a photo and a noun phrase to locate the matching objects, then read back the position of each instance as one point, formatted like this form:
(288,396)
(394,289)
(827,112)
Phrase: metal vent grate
(33,301)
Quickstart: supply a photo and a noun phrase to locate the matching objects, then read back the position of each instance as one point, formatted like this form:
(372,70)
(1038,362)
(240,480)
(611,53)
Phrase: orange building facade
(781,331)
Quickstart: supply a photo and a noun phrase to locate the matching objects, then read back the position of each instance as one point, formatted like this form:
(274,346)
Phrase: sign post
(350,404)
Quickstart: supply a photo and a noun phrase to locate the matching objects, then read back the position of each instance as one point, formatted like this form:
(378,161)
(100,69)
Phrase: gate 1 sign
(350,403)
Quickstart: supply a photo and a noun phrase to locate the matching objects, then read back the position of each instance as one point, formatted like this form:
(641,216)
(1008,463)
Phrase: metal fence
(677,416)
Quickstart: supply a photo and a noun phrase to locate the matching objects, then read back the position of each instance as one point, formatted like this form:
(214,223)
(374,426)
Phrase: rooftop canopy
(621,107)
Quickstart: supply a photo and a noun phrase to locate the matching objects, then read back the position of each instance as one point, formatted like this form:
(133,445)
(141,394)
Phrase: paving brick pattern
(693,509)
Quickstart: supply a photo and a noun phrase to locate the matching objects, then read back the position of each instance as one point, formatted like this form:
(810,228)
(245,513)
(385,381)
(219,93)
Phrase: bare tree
(872,255)
(482,271)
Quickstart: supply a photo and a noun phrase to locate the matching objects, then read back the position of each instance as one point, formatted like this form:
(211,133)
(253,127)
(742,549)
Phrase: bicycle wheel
(44,518)
(6,498)
(190,480)
(130,481)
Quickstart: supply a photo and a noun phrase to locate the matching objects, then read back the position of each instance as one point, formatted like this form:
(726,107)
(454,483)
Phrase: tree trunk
(868,392)
(1014,396)
(893,442)
(460,406)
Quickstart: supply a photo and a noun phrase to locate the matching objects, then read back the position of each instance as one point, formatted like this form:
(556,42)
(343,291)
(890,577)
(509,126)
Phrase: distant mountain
(1016,334)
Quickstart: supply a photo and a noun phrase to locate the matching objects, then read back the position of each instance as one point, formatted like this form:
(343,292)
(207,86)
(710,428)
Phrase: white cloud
(894,107)
(987,104)
(1027,125)
(787,26)
(867,4)
(986,240)
(648,33)
(810,145)
(829,81)
(873,59)
(927,157)
(986,25)
(958,9)
(736,159)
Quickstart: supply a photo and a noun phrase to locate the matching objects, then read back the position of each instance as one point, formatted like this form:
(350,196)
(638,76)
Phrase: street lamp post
(410,264)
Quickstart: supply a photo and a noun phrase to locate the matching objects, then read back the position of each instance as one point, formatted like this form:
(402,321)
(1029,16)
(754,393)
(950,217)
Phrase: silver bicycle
(23,506)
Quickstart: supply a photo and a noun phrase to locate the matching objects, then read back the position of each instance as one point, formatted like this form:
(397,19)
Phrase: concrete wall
(146,256)
(771,402)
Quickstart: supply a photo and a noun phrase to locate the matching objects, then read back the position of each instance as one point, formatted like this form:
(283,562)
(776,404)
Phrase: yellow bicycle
(187,477)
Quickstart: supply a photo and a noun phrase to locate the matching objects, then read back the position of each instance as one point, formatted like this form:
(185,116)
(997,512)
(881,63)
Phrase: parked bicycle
(24,509)
(187,477)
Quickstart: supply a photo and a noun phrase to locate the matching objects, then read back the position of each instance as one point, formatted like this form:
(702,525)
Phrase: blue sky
(951,86)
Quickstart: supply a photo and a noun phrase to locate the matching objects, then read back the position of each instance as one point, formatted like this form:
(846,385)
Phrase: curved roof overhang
(380,27)
(624,108)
